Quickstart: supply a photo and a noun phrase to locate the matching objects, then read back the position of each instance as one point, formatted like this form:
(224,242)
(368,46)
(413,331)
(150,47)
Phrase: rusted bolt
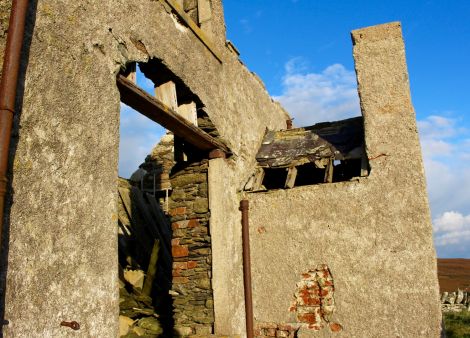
(73,325)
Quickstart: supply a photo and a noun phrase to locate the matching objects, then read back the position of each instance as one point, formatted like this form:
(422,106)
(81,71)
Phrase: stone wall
(456,301)
(191,249)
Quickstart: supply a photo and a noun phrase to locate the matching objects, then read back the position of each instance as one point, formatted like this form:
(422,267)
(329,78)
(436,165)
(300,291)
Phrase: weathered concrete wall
(374,234)
(63,235)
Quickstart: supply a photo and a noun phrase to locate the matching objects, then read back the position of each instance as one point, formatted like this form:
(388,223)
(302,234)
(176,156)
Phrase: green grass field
(457,324)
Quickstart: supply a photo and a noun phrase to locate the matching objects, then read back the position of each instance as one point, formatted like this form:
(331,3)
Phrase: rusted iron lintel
(157,111)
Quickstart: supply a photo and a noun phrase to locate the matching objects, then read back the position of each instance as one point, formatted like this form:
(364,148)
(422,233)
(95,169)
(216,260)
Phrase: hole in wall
(147,247)
(137,133)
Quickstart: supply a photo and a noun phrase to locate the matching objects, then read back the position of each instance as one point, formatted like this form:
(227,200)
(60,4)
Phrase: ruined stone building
(338,234)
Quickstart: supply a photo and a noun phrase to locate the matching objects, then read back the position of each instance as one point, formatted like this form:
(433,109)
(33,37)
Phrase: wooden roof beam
(157,111)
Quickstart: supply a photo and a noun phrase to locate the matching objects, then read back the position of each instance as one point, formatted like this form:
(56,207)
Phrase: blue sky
(302,50)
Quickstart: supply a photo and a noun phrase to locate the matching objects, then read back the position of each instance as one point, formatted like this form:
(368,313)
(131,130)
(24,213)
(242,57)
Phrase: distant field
(453,274)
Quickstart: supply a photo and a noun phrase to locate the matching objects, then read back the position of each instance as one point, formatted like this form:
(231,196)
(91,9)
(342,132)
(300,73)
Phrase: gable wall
(373,233)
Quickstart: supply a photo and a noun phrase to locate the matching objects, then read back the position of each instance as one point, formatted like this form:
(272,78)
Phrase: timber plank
(159,112)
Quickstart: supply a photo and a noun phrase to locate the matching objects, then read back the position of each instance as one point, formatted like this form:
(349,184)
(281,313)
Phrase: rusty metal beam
(158,112)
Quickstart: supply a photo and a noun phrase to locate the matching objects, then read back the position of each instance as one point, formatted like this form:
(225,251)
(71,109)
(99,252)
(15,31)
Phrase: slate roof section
(340,140)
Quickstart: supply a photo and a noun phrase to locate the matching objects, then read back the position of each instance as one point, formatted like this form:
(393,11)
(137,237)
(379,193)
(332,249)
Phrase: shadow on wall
(15,134)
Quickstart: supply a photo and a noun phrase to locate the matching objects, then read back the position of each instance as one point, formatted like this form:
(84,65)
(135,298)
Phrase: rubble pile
(144,264)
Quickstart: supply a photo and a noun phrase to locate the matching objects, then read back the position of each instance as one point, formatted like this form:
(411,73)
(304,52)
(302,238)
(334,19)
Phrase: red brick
(335,327)
(313,301)
(193,223)
(180,280)
(305,298)
(175,241)
(324,292)
(178,211)
(180,251)
(192,264)
(179,225)
(176,272)
(307,318)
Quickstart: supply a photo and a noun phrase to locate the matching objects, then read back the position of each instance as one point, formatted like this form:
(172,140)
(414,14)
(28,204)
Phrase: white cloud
(138,135)
(452,231)
(316,97)
(435,126)
(447,166)
(446,162)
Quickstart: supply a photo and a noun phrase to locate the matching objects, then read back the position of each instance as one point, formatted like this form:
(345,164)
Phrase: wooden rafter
(157,111)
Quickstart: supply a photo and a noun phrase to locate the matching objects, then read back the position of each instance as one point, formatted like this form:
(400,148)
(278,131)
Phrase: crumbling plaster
(374,233)
(62,262)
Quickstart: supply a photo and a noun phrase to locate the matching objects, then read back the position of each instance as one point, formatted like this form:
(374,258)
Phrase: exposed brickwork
(191,250)
(314,301)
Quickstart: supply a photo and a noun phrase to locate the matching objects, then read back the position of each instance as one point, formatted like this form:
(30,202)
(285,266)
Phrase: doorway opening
(164,235)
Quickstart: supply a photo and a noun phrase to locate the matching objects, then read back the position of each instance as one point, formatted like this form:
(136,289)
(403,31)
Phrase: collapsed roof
(340,140)
(310,155)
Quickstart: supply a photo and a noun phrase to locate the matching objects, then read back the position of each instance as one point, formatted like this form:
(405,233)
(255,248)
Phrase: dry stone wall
(456,301)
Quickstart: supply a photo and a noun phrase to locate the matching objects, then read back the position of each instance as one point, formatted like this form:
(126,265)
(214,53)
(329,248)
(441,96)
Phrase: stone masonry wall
(191,250)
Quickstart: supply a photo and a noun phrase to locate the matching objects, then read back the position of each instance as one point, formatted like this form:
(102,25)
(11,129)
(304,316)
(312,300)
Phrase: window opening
(327,152)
